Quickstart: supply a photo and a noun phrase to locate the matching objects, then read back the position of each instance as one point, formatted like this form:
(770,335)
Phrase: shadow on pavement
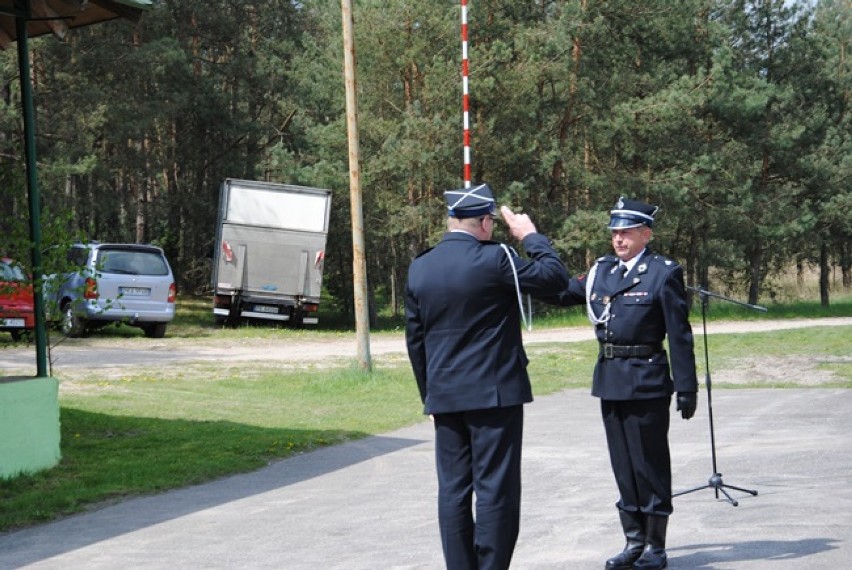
(705,556)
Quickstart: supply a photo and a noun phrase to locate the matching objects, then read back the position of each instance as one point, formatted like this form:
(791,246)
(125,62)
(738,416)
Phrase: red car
(16,299)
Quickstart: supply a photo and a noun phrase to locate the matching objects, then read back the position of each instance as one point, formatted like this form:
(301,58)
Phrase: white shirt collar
(631,262)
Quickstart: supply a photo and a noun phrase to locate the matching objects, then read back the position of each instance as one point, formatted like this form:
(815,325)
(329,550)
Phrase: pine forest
(734,116)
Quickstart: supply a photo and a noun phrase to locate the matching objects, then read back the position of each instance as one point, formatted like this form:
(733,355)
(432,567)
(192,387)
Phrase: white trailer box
(270,248)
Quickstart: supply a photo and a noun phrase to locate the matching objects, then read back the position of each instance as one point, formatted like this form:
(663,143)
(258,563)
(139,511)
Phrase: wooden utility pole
(359,265)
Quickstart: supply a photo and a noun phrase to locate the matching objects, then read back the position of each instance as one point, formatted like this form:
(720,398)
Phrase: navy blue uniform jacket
(463,329)
(647,305)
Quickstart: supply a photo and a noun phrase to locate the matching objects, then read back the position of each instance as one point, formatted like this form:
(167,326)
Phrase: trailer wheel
(298,318)
(234,311)
(233,321)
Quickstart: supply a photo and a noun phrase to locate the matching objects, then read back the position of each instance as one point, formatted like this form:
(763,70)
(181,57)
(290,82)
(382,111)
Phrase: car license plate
(265,309)
(12,322)
(135,291)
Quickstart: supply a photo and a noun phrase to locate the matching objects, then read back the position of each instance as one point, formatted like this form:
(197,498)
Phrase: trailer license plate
(12,322)
(265,309)
(135,291)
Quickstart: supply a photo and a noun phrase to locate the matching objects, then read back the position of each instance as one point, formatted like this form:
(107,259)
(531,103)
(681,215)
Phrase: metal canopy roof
(58,16)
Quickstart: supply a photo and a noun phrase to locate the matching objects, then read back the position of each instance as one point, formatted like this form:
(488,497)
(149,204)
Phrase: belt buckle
(607,350)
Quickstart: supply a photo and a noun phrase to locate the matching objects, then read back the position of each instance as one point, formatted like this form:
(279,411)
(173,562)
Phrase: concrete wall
(29,425)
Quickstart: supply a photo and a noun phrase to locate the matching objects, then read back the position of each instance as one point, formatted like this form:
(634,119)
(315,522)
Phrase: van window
(132,262)
(78,256)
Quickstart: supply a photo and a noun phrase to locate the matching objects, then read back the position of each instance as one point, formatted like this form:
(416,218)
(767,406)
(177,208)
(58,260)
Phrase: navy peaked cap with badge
(470,202)
(630,214)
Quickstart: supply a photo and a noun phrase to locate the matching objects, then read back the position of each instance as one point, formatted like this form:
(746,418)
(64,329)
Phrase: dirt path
(103,353)
(314,349)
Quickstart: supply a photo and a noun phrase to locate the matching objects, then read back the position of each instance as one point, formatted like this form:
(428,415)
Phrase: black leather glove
(686,403)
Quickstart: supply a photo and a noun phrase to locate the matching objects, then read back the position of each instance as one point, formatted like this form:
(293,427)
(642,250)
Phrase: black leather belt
(609,350)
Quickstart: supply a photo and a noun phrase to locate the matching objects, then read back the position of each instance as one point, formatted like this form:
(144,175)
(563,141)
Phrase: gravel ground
(73,357)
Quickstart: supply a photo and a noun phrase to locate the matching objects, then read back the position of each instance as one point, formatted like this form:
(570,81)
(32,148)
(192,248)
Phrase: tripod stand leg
(691,490)
(751,492)
(724,492)
(715,482)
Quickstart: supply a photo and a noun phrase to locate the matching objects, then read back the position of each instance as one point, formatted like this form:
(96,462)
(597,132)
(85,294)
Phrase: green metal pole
(32,186)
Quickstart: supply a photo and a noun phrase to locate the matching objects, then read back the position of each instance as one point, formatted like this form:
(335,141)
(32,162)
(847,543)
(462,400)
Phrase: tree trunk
(141,218)
(824,274)
(755,259)
(800,274)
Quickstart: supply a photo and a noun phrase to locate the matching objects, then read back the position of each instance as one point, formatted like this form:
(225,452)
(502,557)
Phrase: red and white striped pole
(465,95)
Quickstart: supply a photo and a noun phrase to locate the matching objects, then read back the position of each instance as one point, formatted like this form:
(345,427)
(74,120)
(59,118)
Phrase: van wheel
(155,330)
(71,325)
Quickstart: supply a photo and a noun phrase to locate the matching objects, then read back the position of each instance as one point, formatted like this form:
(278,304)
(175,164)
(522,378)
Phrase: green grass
(716,310)
(147,431)
(144,433)
(771,359)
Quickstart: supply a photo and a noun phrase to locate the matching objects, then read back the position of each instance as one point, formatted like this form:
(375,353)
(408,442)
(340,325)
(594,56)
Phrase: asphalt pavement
(370,504)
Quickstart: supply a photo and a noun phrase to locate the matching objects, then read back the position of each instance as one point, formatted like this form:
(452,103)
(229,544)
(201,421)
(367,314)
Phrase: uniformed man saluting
(463,332)
(635,299)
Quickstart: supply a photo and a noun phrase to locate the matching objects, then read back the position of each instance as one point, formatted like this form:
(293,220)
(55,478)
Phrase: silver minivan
(112,282)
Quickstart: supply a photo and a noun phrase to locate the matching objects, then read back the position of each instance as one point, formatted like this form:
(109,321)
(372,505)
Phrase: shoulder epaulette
(657,258)
(425,251)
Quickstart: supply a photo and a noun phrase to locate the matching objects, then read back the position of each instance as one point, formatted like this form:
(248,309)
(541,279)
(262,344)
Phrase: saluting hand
(520,225)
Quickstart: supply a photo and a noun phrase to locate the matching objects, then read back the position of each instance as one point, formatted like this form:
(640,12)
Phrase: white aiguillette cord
(527,322)
(590,281)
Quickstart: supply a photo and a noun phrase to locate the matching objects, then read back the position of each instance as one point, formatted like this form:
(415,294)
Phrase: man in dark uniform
(463,334)
(635,299)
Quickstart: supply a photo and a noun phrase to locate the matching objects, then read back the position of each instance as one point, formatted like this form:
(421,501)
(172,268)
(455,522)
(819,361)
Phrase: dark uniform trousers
(482,446)
(637,437)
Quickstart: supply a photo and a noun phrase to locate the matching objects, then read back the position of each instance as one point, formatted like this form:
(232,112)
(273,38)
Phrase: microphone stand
(715,482)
